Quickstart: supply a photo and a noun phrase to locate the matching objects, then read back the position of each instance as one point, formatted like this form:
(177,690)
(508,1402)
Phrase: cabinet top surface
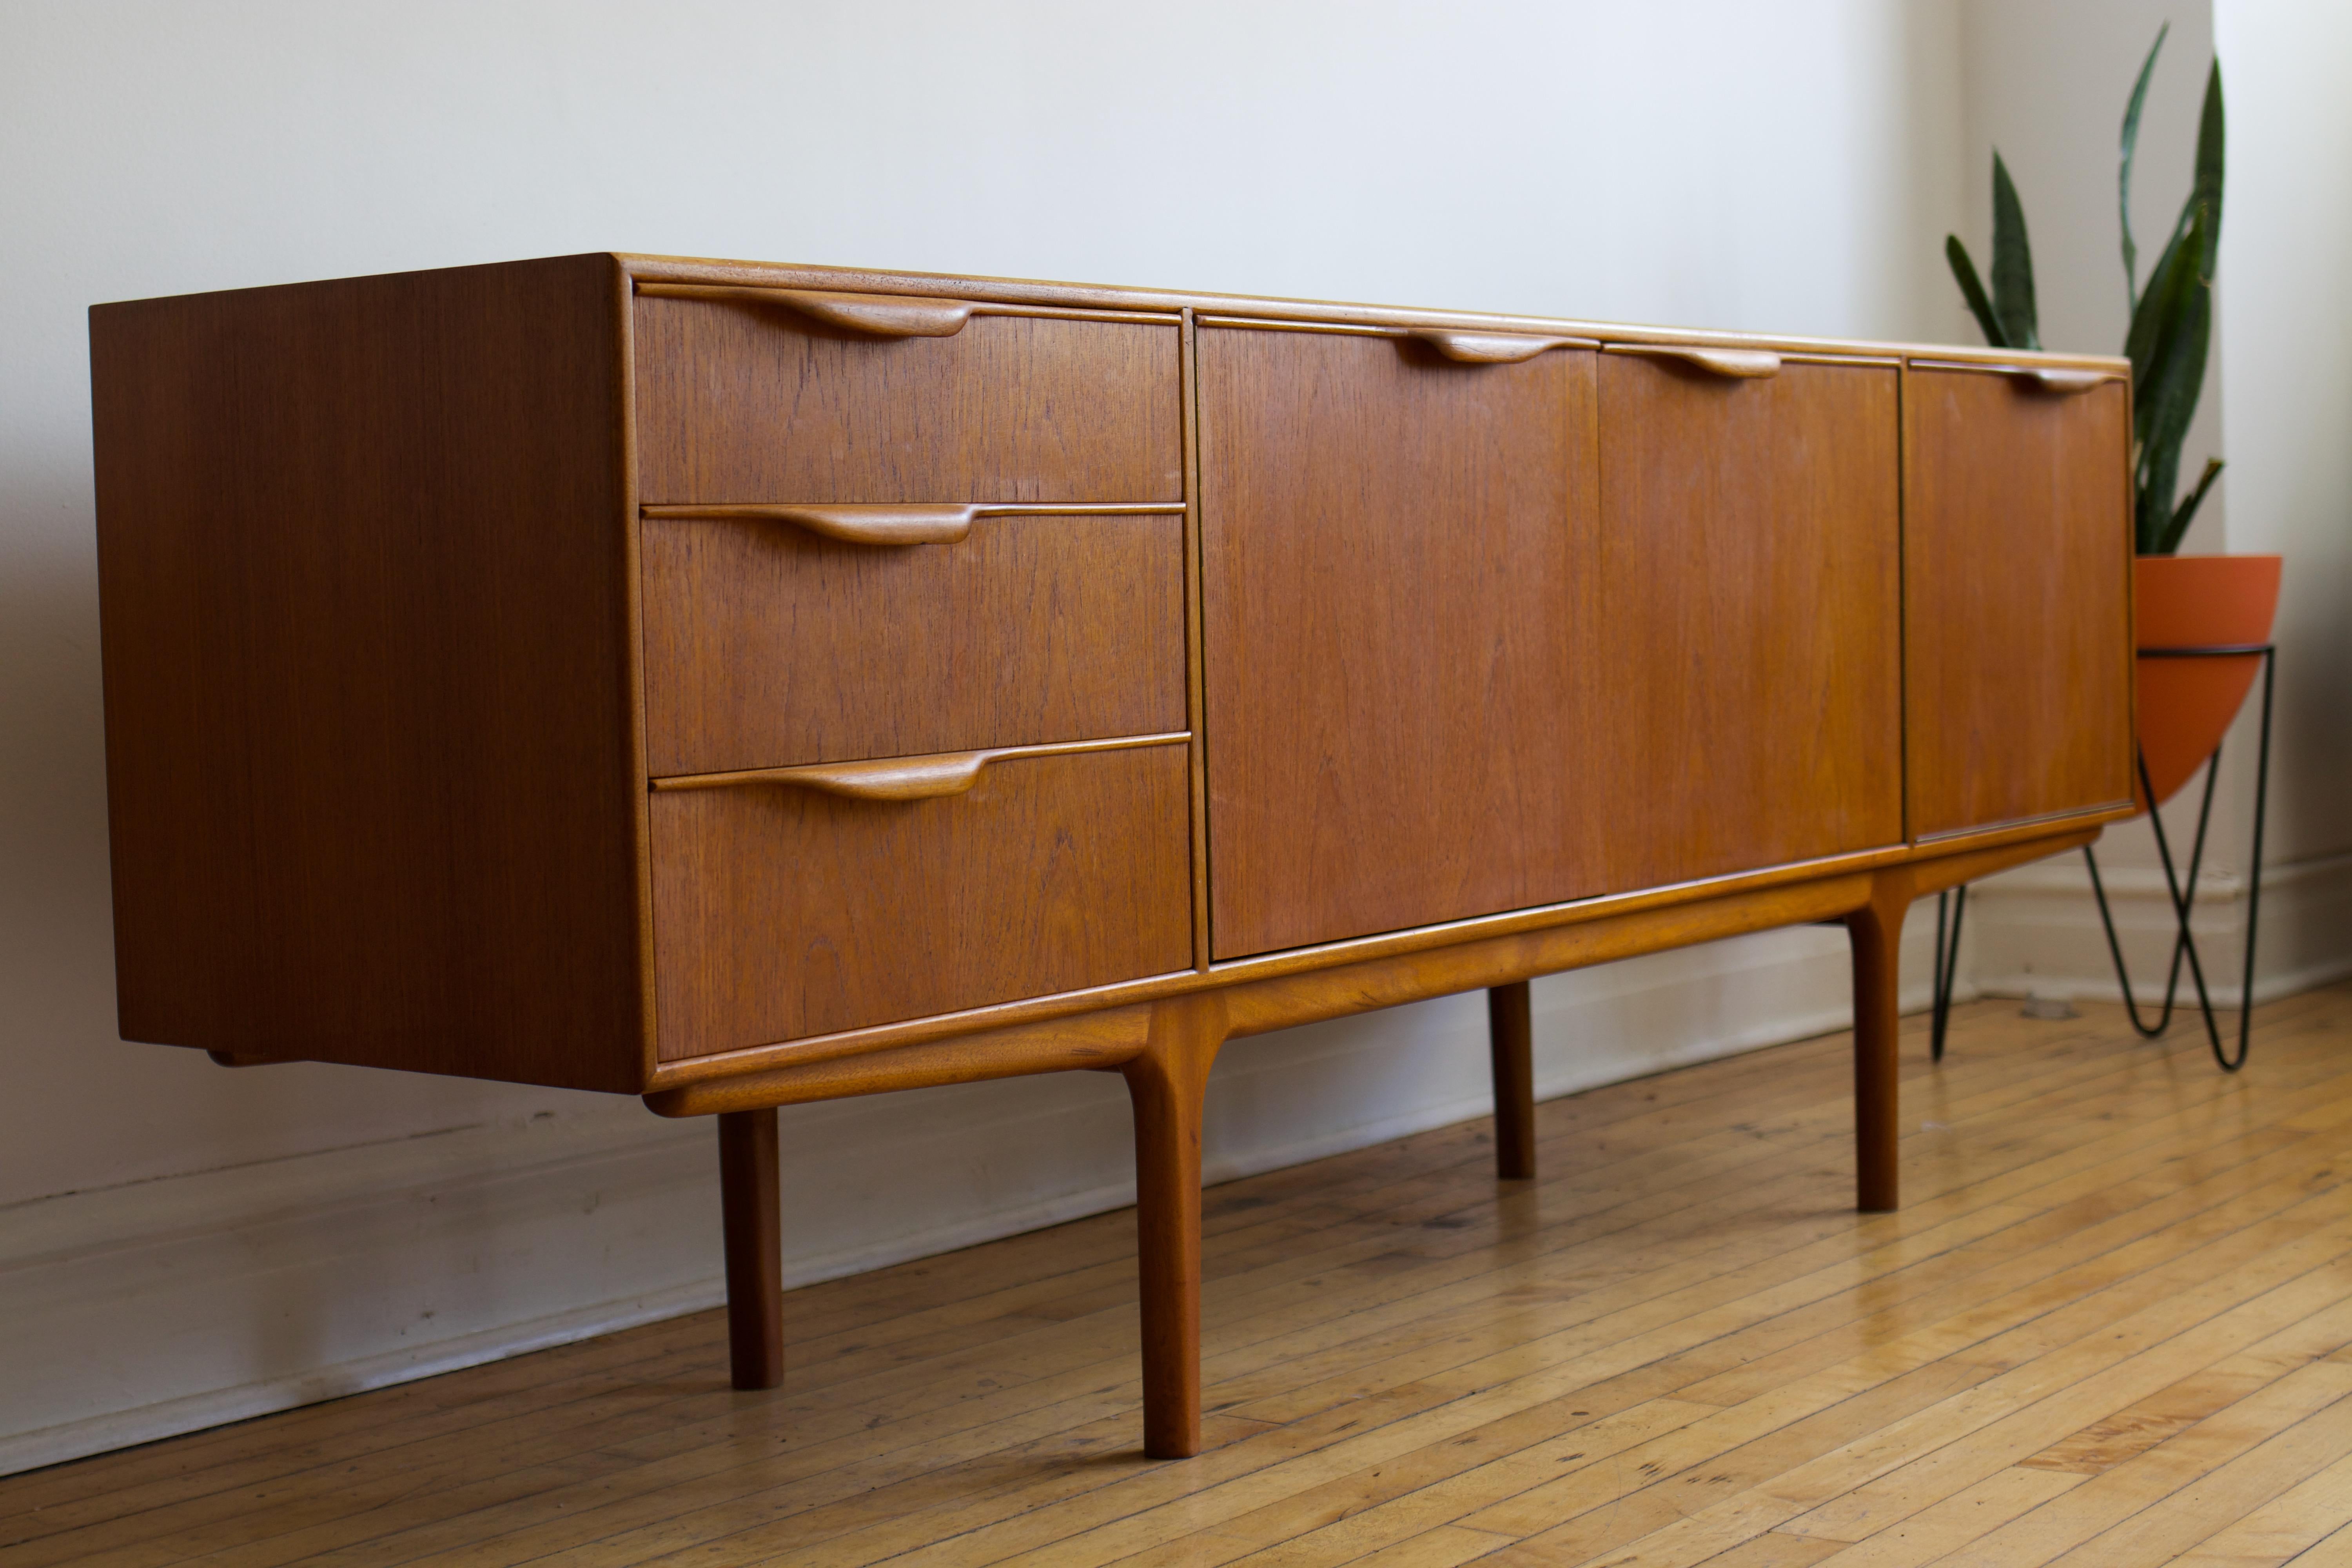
(637,268)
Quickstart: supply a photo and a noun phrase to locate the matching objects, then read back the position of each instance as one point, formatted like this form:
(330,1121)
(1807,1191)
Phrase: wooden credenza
(739,685)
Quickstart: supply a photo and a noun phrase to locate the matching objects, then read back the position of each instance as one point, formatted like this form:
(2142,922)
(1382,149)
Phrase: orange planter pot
(2185,705)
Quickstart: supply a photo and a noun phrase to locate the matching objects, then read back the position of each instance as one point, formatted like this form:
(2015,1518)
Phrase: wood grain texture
(2016,599)
(767,646)
(1335,989)
(1510,1039)
(1165,1082)
(1398,634)
(1190,337)
(868,315)
(785,913)
(370,708)
(1672,1345)
(750,1203)
(1094,297)
(925,777)
(1097,1041)
(1750,651)
(1874,934)
(737,403)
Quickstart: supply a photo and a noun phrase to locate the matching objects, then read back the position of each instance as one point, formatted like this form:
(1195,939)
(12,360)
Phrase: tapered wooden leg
(1511,1034)
(1875,932)
(749,1208)
(1164,1085)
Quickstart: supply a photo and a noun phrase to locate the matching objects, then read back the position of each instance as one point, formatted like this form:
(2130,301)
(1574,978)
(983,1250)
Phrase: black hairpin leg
(2184,897)
(1947,966)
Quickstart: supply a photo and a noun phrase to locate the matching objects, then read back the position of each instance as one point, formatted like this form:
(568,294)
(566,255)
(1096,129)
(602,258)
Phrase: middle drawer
(770,645)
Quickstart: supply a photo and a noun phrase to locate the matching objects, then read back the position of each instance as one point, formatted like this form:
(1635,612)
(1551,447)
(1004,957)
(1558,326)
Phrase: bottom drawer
(782,913)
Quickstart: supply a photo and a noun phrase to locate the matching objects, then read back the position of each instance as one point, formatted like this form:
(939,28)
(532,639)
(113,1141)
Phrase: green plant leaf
(2012,263)
(2186,511)
(1965,272)
(2156,323)
(2123,179)
(2177,313)
(2210,136)
(2205,189)
(2172,402)
(2170,340)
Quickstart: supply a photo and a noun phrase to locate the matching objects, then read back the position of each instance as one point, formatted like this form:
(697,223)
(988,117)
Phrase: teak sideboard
(739,685)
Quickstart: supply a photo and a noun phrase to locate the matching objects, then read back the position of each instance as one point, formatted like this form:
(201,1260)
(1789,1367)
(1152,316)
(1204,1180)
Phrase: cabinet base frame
(1165,1049)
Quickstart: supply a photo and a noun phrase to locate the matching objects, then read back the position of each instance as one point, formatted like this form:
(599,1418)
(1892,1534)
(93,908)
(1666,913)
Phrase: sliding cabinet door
(1749,558)
(2017,564)
(1397,555)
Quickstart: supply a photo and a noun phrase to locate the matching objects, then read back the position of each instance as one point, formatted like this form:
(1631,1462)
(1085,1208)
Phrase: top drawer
(742,400)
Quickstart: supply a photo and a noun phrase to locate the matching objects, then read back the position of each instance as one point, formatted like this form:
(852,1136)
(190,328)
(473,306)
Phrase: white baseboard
(166,1305)
(214,1407)
(2035,930)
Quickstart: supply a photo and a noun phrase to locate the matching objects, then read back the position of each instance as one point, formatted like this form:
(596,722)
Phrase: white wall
(179,1243)
(2286,384)
(240,1240)
(2047,84)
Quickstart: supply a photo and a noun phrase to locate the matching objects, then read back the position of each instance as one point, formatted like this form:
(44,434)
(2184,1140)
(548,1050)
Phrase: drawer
(783,911)
(768,643)
(738,400)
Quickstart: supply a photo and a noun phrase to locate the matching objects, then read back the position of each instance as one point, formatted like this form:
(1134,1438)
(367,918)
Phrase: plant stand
(2183,895)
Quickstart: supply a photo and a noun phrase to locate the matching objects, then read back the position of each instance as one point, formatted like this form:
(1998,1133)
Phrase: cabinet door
(2016,562)
(1396,585)
(1749,546)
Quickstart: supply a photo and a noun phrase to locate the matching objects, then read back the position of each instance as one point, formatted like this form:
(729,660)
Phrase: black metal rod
(2183,898)
(2146,1030)
(2180,937)
(1947,967)
(2254,873)
(2181,904)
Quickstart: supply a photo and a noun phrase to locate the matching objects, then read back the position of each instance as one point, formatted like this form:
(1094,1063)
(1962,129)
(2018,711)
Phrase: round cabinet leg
(1511,1036)
(1876,933)
(750,1206)
(1164,1086)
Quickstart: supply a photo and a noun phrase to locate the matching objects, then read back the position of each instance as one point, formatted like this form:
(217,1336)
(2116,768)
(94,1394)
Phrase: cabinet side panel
(368,682)
(2018,614)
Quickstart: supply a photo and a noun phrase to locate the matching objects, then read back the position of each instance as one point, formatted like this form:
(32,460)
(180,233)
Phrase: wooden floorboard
(2112,1324)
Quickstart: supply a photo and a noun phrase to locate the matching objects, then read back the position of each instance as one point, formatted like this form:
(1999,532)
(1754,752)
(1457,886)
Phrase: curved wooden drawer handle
(876,315)
(1485,348)
(1745,365)
(908,778)
(2065,382)
(894,778)
(886,524)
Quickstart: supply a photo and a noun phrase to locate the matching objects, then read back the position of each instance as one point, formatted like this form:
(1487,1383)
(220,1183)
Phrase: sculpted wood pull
(2058,380)
(1747,364)
(894,778)
(884,524)
(2065,382)
(899,523)
(929,777)
(1485,348)
(876,315)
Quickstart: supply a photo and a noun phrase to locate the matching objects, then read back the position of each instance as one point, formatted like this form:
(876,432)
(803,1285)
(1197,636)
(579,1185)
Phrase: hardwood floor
(2111,1325)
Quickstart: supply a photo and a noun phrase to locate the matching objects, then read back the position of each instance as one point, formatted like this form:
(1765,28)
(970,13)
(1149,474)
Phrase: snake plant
(2171,320)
